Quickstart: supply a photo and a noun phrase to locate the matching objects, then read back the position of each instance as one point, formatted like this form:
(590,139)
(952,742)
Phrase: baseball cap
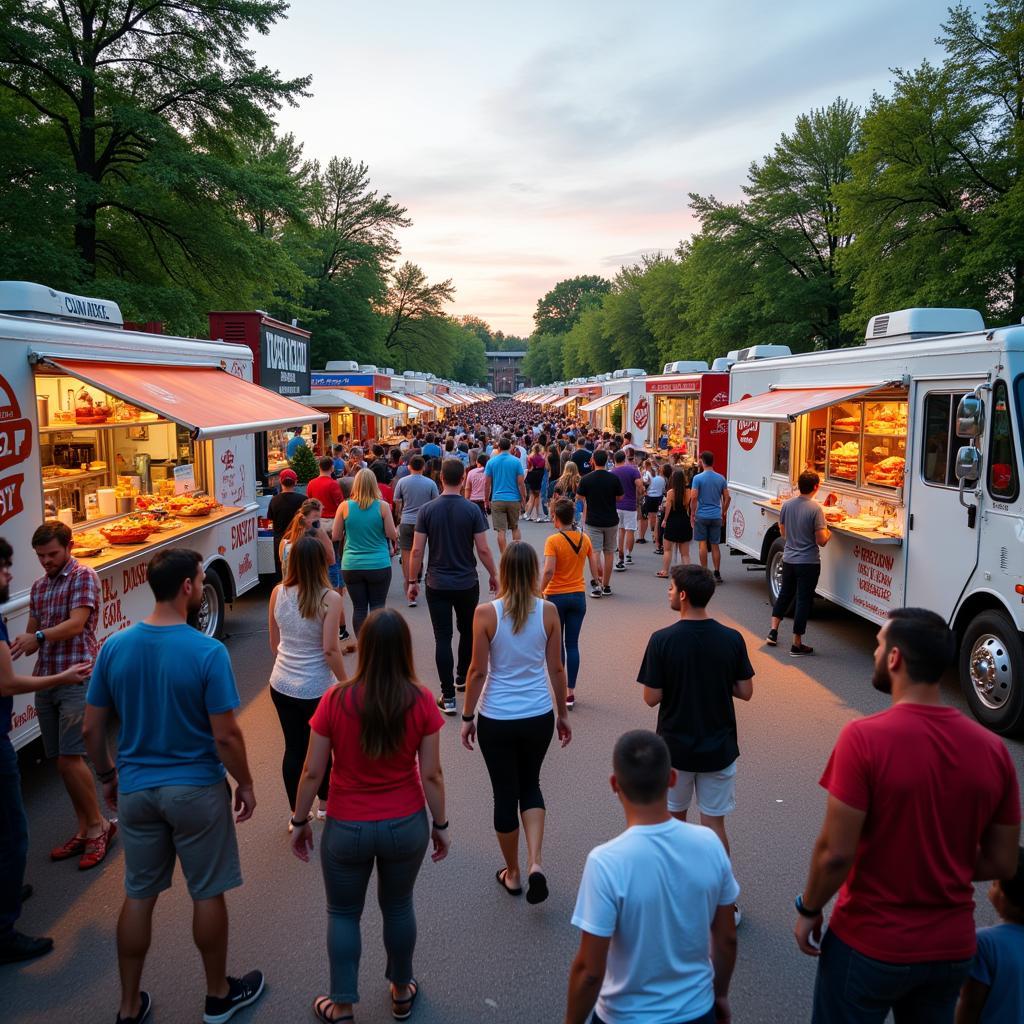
(288,476)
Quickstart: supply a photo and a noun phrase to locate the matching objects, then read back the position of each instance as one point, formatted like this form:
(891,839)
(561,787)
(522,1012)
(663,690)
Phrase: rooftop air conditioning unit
(911,324)
(408,373)
(388,371)
(619,374)
(761,352)
(342,366)
(367,368)
(686,366)
(722,364)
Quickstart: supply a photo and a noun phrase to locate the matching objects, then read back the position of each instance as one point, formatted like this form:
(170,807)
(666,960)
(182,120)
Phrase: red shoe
(74,847)
(96,849)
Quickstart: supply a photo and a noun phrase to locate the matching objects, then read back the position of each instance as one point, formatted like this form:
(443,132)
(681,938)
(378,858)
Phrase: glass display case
(679,414)
(866,444)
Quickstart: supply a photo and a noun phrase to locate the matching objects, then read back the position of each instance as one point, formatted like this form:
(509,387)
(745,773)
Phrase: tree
(623,327)
(131,88)
(417,333)
(543,361)
(559,310)
(470,363)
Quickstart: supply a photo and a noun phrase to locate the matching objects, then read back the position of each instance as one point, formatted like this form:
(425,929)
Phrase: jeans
(348,852)
(544,496)
(704,1018)
(854,989)
(13,838)
(368,589)
(571,609)
(798,580)
(294,714)
(441,604)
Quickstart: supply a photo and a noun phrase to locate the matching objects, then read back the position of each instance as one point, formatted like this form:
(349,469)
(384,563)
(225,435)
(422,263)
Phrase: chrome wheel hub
(991,675)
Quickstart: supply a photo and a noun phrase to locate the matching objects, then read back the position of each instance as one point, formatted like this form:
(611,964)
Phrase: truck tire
(992,672)
(773,569)
(209,619)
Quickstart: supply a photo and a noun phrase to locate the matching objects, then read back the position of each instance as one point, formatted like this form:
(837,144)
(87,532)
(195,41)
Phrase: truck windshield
(1003,471)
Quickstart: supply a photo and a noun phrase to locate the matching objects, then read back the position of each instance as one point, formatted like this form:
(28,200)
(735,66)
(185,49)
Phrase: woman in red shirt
(381,729)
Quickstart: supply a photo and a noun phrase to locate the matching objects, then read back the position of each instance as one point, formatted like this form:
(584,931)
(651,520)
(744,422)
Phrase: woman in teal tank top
(366,527)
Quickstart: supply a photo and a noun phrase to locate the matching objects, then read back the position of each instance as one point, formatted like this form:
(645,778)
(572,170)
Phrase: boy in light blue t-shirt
(994,989)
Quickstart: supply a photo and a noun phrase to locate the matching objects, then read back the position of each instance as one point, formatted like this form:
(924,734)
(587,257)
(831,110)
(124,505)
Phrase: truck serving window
(1003,477)
(940,441)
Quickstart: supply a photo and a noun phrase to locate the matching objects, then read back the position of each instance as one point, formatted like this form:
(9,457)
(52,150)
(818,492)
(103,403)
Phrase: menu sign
(284,360)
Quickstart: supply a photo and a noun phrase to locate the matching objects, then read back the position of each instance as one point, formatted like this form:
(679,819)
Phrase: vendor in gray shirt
(802,524)
(412,492)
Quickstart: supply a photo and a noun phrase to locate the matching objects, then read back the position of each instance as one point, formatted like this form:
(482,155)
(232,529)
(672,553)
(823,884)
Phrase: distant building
(505,372)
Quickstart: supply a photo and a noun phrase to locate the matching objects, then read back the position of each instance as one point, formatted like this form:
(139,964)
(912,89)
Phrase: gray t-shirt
(414,491)
(801,517)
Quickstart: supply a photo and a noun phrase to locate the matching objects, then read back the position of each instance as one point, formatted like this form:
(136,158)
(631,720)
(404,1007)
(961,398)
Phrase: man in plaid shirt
(62,612)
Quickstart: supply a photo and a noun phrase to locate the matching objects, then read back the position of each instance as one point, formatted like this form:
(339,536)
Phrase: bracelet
(300,824)
(468,718)
(441,828)
(805,911)
(108,775)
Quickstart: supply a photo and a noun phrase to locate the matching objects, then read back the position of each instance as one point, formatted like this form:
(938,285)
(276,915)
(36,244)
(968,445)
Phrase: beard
(5,593)
(881,680)
(195,601)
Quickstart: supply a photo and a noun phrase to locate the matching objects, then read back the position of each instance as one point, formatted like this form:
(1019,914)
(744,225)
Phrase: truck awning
(784,405)
(207,400)
(600,403)
(339,398)
(564,400)
(411,401)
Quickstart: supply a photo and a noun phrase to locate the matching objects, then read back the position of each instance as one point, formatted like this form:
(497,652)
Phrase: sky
(534,141)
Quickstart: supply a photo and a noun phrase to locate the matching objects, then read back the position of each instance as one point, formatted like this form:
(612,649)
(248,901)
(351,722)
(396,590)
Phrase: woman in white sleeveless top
(305,612)
(516,648)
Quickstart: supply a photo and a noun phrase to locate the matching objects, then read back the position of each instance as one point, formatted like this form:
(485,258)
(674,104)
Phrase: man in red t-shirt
(922,801)
(325,488)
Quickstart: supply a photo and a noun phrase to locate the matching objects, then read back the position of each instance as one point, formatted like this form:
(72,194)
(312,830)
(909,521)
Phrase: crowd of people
(921,800)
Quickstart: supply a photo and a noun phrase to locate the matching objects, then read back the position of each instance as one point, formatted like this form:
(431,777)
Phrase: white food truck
(917,438)
(138,442)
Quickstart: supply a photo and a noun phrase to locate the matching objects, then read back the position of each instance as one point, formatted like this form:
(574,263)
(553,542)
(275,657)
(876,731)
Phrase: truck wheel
(773,568)
(992,672)
(209,619)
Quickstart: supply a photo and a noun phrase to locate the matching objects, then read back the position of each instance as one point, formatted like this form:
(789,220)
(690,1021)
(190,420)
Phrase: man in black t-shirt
(599,490)
(282,510)
(691,672)
(454,528)
(581,456)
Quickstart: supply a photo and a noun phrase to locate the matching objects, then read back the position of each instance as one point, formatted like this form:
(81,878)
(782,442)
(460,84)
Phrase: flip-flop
(499,875)
(662,575)
(405,1014)
(537,887)
(320,1006)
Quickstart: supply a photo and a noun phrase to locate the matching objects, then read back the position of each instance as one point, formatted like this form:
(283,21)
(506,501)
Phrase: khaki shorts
(603,538)
(506,515)
(191,823)
(61,712)
(716,791)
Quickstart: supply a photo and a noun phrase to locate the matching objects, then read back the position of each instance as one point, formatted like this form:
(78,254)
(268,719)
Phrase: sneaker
(737,915)
(659,551)
(460,685)
(412,603)
(772,640)
(607,591)
(620,566)
(18,947)
(629,559)
(570,699)
(718,577)
(97,848)
(641,540)
(242,992)
(74,847)
(145,1005)
(447,705)
(545,519)
(800,651)
(343,633)
(595,591)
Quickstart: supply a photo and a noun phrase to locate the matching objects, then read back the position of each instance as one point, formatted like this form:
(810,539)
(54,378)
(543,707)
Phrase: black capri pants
(513,751)
(368,591)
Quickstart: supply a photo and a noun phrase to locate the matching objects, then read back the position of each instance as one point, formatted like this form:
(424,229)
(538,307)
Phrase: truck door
(942,548)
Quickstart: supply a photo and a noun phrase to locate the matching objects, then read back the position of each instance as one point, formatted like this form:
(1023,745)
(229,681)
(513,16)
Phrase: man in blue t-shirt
(709,503)
(15,946)
(174,692)
(505,492)
(296,442)
(431,449)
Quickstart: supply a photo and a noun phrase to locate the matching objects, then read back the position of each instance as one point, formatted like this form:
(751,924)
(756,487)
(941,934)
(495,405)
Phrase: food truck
(916,435)
(138,442)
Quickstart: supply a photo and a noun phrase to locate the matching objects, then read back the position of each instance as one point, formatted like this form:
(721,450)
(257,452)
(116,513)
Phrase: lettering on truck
(243,533)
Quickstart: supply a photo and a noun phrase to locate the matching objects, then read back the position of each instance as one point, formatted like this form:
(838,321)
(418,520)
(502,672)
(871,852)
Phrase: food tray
(139,536)
(197,514)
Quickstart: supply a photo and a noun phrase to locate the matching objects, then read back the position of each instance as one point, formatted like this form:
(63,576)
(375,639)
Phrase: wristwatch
(40,636)
(804,911)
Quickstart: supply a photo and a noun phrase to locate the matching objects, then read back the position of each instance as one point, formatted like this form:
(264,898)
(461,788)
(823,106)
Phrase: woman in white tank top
(517,647)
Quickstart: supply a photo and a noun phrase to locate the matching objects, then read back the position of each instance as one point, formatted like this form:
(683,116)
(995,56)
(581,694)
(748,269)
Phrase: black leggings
(294,714)
(368,590)
(514,751)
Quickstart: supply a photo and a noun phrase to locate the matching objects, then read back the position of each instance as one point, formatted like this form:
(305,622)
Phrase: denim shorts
(708,530)
(61,714)
(334,575)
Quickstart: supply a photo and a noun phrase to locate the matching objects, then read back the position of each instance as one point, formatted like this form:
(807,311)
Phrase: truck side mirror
(970,417)
(968,464)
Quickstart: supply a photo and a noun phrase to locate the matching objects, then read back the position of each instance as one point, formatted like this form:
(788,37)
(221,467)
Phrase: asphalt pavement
(481,956)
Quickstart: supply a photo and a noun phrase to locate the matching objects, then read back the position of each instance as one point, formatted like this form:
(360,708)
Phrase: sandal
(537,887)
(662,575)
(500,876)
(320,1007)
(396,1004)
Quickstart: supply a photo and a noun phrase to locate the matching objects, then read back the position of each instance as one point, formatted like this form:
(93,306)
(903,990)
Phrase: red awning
(209,401)
(784,405)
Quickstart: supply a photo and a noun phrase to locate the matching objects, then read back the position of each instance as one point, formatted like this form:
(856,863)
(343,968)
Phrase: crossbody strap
(575,547)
